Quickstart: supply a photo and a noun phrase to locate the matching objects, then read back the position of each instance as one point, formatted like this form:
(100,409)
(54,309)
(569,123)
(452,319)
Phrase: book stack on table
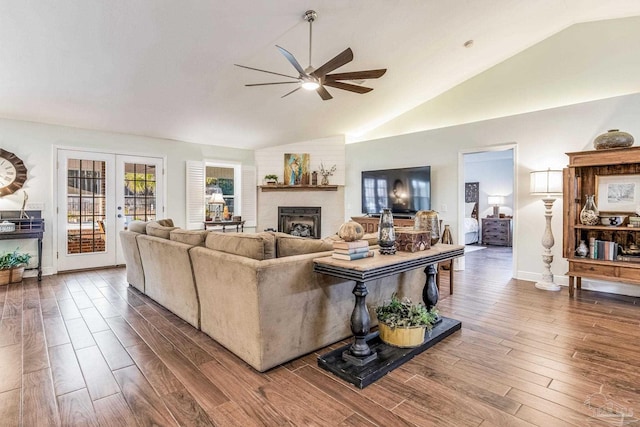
(349,251)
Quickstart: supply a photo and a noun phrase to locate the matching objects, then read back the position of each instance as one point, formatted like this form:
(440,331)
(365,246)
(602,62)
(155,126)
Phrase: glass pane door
(139,192)
(86,214)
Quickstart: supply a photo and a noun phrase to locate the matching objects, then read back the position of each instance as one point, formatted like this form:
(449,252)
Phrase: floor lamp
(547,183)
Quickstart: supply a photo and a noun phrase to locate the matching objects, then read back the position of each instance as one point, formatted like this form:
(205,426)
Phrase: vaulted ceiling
(164,68)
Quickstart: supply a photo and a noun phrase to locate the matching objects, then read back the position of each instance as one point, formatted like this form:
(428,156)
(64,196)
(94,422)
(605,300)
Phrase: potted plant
(271,179)
(12,266)
(403,324)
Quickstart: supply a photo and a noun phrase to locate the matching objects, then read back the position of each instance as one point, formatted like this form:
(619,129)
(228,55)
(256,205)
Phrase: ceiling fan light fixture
(310,85)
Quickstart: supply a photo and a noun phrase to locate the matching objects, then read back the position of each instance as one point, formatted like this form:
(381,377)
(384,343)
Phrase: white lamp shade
(495,200)
(216,199)
(546,182)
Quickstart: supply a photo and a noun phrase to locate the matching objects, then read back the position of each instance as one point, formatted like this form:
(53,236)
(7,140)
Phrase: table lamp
(496,201)
(218,201)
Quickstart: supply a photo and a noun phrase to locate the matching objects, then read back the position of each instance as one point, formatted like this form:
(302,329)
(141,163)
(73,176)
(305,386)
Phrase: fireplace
(303,221)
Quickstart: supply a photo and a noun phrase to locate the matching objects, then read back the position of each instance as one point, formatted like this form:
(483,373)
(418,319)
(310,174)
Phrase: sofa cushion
(138,226)
(287,245)
(190,237)
(167,222)
(156,230)
(259,246)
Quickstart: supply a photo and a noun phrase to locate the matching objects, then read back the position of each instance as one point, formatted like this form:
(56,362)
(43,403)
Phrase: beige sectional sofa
(256,294)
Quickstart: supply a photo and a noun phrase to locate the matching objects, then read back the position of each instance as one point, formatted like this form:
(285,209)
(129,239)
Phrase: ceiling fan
(317,78)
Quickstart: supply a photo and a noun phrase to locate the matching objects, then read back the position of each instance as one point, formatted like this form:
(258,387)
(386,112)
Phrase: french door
(98,195)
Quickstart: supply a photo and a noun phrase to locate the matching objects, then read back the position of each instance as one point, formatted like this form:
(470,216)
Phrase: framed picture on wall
(296,169)
(618,193)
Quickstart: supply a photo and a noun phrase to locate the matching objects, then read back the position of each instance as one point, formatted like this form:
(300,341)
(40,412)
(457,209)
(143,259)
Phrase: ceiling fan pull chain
(310,39)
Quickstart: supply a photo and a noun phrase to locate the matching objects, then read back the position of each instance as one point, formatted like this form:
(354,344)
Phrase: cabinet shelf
(605,227)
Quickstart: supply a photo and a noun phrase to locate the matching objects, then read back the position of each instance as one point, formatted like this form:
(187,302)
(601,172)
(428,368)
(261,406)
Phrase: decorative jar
(613,138)
(447,238)
(428,221)
(350,231)
(386,233)
(589,213)
(582,250)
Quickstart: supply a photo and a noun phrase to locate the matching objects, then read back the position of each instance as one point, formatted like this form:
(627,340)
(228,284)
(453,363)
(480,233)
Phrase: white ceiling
(164,68)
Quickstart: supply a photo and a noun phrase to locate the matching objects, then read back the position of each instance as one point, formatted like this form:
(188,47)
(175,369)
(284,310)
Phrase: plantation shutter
(249,195)
(195,193)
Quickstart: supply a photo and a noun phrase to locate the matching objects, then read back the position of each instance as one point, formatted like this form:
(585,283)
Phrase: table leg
(430,292)
(360,353)
(570,286)
(39,259)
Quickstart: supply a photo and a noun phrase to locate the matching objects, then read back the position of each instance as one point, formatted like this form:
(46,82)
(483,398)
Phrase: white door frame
(55,229)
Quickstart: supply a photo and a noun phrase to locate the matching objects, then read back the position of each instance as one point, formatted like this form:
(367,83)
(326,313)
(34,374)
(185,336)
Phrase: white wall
(542,139)
(35,144)
(329,151)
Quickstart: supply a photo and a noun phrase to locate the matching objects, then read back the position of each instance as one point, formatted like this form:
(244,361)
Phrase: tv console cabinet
(370,224)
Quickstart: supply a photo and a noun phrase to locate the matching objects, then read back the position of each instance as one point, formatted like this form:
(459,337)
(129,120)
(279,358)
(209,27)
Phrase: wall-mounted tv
(404,191)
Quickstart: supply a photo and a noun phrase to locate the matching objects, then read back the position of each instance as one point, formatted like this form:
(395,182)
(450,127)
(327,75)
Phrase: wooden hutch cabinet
(581,179)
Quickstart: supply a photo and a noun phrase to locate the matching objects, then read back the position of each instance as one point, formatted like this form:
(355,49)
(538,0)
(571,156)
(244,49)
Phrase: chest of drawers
(496,231)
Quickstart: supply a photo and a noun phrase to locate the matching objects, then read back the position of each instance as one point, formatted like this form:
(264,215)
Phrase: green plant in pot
(12,266)
(403,324)
(271,179)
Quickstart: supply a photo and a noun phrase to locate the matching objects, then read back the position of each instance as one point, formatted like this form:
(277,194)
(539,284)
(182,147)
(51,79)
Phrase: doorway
(492,172)
(98,195)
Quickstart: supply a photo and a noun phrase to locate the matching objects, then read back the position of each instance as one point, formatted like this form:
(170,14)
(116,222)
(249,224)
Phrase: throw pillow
(259,246)
(190,237)
(156,230)
(292,245)
(138,226)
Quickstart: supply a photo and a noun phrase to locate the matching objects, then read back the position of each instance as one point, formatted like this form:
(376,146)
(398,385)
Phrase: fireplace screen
(299,221)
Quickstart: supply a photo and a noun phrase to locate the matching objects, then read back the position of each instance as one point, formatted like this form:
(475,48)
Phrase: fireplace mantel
(281,187)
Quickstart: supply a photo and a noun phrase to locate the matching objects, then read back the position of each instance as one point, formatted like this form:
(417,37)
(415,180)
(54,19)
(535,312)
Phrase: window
(223,178)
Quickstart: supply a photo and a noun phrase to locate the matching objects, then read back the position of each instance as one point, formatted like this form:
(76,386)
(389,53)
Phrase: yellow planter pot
(402,337)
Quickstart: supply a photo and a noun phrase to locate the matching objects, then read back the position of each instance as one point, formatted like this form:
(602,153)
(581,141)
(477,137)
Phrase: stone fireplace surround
(330,202)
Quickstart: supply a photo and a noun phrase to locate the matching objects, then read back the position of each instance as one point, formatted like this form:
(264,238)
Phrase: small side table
(239,225)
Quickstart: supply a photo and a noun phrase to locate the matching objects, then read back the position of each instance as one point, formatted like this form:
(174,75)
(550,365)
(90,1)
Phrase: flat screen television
(404,191)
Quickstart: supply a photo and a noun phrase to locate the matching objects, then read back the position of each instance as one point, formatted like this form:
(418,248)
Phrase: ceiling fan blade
(292,60)
(265,71)
(267,84)
(349,87)
(289,93)
(357,75)
(339,60)
(324,94)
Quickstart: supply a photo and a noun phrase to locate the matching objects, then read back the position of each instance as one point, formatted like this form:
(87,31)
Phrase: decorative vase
(386,233)
(613,138)
(582,250)
(351,231)
(325,180)
(447,238)
(314,178)
(402,337)
(428,221)
(589,213)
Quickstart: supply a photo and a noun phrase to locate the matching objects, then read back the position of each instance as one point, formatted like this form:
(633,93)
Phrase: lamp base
(548,286)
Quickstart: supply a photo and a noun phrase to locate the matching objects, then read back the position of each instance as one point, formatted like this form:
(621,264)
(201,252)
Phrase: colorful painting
(296,169)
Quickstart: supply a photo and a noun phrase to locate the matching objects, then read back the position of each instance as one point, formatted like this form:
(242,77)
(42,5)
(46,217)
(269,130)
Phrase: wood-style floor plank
(147,407)
(113,411)
(523,357)
(76,409)
(96,372)
(39,406)
(67,376)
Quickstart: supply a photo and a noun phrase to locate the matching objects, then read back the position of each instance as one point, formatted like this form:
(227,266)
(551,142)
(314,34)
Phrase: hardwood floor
(86,349)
